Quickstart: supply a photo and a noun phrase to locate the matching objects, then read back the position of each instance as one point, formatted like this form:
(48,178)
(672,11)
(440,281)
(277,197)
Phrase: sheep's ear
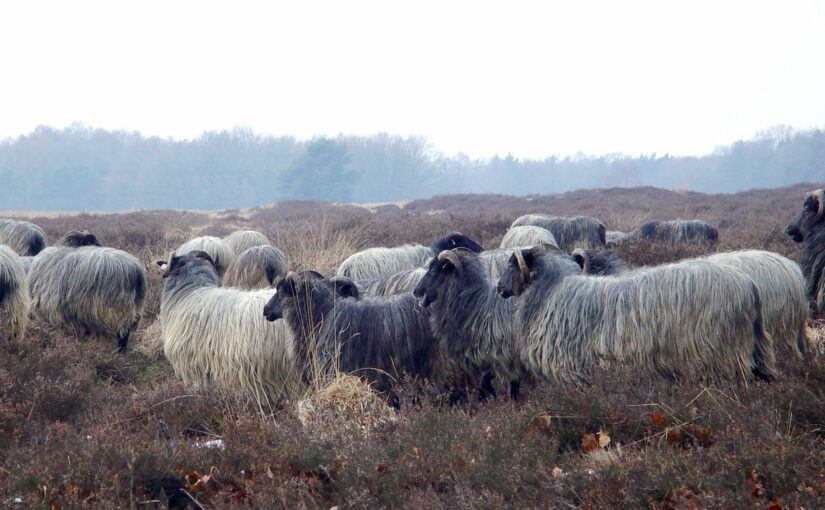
(344,287)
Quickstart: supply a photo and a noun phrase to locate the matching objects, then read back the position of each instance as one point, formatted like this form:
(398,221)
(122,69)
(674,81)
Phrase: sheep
(379,338)
(676,232)
(101,290)
(615,237)
(473,323)
(782,290)
(241,240)
(256,268)
(78,238)
(691,318)
(398,283)
(599,262)
(212,333)
(569,232)
(527,235)
(374,263)
(14,296)
(807,228)
(23,237)
(219,251)
(779,281)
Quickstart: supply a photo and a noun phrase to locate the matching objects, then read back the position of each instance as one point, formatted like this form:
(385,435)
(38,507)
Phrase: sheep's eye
(445,266)
(452,241)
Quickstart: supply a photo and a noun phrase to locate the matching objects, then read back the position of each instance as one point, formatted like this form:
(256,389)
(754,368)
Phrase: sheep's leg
(486,387)
(122,340)
(515,385)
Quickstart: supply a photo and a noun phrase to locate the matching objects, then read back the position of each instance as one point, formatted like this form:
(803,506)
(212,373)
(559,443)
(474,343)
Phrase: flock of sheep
(550,304)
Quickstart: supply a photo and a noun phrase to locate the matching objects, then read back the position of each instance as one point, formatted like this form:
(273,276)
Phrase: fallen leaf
(589,442)
(557,472)
(604,439)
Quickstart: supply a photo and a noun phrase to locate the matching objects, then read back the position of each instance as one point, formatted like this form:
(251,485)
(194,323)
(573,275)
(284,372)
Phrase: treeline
(79,168)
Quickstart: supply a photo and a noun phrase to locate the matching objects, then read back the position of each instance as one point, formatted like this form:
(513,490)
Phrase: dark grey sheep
(570,232)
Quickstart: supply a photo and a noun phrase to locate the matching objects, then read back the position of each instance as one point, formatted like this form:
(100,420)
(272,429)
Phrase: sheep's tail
(763,356)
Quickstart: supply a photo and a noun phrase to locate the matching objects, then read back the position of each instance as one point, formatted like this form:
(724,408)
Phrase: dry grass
(83,426)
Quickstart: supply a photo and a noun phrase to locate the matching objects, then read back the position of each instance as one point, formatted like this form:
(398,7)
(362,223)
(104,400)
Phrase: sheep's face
(455,240)
(440,272)
(517,275)
(810,217)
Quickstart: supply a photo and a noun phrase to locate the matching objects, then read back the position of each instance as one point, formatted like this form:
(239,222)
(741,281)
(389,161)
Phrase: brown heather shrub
(84,426)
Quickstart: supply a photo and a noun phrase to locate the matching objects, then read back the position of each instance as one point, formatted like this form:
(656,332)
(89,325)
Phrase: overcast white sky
(530,78)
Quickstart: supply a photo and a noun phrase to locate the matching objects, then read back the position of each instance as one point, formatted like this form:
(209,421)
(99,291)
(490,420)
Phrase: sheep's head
(813,209)
(179,265)
(306,293)
(78,238)
(446,270)
(598,262)
(543,261)
(455,240)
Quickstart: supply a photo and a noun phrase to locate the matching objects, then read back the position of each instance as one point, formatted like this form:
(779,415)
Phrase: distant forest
(85,169)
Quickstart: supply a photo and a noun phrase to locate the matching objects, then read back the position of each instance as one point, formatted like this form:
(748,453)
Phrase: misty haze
(83,169)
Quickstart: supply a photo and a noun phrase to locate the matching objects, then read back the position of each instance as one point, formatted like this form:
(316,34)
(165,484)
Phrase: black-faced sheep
(242,240)
(809,229)
(23,237)
(693,319)
(473,323)
(211,333)
(375,263)
(97,290)
(14,296)
(219,251)
(570,232)
(377,338)
(256,268)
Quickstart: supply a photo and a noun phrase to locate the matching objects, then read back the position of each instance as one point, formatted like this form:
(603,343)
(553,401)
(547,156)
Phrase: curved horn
(453,259)
(820,197)
(522,266)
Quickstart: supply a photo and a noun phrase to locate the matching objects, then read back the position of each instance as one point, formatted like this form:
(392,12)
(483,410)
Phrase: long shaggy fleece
(692,319)
(473,323)
(527,235)
(210,333)
(256,268)
(99,290)
(222,255)
(14,296)
(378,262)
(374,263)
(676,231)
(242,240)
(570,232)
(782,289)
(376,338)
(23,237)
(399,283)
